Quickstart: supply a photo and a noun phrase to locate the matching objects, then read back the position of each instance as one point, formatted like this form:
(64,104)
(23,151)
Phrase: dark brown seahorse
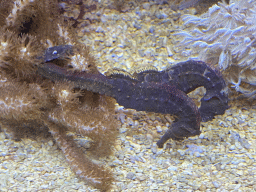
(189,75)
(151,91)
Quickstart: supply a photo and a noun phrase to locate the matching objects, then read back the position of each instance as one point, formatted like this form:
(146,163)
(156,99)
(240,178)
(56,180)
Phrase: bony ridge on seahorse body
(153,91)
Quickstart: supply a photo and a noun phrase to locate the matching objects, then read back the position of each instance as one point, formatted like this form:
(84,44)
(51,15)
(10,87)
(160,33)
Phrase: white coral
(225,34)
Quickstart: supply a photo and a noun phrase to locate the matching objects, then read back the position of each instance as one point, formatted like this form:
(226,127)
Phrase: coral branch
(94,174)
(79,115)
(21,101)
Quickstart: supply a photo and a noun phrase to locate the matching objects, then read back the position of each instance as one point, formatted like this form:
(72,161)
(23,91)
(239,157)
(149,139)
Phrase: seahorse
(152,91)
(189,75)
(142,96)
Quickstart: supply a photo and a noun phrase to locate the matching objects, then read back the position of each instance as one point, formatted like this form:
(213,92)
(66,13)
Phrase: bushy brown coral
(29,100)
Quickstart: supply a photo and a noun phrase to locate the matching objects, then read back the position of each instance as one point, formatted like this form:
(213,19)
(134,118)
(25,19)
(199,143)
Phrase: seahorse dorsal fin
(144,69)
(118,73)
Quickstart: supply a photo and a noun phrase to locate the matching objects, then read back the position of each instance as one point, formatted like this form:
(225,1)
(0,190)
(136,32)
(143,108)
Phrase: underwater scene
(124,95)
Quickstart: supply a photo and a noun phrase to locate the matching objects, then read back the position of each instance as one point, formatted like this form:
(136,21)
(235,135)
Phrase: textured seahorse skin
(154,97)
(189,75)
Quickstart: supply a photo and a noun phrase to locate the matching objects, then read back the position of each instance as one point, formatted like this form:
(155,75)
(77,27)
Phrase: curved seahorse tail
(178,131)
(189,75)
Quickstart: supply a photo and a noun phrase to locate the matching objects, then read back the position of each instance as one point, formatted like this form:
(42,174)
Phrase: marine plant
(29,100)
